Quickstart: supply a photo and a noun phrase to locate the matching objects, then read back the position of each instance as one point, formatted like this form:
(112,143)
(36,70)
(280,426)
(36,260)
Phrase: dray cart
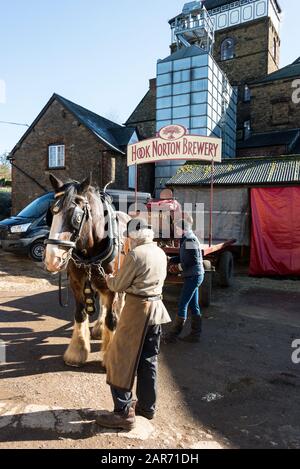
(218,258)
(218,261)
(176,137)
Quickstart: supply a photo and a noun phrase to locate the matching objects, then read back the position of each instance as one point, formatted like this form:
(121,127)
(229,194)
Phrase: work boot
(196,329)
(144,413)
(121,420)
(176,328)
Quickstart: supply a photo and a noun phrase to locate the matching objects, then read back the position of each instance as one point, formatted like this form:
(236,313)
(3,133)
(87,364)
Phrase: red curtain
(275,243)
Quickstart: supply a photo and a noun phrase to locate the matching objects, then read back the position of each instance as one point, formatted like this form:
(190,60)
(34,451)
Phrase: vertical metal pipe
(211,203)
(136,187)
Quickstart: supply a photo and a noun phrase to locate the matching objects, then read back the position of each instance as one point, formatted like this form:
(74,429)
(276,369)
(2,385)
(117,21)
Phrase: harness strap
(58,242)
(113,236)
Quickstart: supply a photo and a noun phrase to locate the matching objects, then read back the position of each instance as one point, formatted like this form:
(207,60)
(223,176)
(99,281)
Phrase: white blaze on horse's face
(55,256)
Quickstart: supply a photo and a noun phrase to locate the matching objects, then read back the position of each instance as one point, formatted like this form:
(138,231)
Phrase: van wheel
(36,250)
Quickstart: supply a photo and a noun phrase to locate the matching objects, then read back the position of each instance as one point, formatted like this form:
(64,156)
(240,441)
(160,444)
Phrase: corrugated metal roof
(241,171)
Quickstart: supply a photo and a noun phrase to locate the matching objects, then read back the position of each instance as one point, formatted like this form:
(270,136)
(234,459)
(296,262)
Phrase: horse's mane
(72,188)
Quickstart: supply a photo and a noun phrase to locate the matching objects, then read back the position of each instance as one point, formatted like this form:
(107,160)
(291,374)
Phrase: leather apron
(124,353)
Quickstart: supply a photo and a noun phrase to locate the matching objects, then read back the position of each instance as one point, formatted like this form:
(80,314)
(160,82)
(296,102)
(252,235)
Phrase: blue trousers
(189,297)
(146,389)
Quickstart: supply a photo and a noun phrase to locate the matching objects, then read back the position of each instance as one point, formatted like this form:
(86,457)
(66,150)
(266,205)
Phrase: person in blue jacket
(190,264)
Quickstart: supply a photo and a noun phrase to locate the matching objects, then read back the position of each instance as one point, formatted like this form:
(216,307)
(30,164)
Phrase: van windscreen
(37,208)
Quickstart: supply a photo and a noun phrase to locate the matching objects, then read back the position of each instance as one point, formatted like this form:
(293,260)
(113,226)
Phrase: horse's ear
(56,183)
(85,184)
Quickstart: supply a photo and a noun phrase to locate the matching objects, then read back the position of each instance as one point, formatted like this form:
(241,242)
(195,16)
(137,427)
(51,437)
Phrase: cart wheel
(226,269)
(205,289)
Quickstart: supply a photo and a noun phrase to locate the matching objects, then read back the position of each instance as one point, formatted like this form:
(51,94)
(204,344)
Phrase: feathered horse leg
(109,321)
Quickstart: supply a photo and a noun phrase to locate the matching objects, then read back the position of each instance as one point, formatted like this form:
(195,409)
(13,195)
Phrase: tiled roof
(112,134)
(283,137)
(241,171)
(290,71)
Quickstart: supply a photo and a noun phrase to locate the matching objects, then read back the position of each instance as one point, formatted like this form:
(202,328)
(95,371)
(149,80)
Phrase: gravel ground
(238,388)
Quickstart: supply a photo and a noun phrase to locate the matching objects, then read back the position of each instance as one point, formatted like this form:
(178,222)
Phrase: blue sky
(97,53)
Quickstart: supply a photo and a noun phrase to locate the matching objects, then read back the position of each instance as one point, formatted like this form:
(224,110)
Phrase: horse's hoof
(74,365)
(96,333)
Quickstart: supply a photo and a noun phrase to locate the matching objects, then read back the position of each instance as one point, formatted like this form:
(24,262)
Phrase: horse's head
(70,220)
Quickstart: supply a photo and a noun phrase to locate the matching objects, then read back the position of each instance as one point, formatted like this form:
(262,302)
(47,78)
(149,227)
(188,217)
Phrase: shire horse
(86,239)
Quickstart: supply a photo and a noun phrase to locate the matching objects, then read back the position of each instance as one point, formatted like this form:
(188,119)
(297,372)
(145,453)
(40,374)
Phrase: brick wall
(275,150)
(83,153)
(253,58)
(144,119)
(144,115)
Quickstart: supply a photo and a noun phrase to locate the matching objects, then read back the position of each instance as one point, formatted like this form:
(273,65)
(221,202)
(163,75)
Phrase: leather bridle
(78,219)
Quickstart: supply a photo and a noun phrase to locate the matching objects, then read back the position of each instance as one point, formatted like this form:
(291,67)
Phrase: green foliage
(5,168)
(5,202)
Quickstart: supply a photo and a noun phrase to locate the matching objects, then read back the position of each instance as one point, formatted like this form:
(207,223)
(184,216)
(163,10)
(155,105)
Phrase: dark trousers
(189,297)
(146,389)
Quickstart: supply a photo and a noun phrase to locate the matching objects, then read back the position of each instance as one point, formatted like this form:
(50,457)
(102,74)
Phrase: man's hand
(107,276)
(174,269)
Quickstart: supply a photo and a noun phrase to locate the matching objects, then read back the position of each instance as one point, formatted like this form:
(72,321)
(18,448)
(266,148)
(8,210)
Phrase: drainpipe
(10,159)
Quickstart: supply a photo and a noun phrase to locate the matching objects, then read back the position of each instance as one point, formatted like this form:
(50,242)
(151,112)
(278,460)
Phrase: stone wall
(272,107)
(253,58)
(275,150)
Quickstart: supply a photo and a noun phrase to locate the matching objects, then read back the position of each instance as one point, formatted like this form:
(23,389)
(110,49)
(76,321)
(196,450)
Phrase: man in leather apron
(135,346)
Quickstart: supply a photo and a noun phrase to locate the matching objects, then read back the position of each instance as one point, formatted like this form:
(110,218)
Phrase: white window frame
(56,156)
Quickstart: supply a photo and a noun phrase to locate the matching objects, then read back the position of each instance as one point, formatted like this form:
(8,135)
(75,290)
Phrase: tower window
(227,49)
(247,94)
(275,49)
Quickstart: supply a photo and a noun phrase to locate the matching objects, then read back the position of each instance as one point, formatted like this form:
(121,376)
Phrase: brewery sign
(174,143)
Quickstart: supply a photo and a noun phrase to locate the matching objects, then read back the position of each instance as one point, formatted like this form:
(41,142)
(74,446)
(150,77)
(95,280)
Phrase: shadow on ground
(48,425)
(29,351)
(240,380)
